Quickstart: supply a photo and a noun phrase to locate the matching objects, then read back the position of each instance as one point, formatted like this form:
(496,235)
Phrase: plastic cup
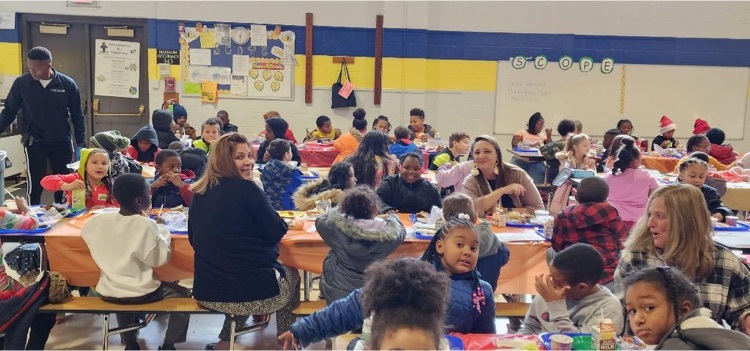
(731,220)
(561,342)
(714,221)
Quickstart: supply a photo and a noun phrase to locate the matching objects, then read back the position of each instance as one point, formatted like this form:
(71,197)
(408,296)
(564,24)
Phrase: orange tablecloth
(68,254)
(661,164)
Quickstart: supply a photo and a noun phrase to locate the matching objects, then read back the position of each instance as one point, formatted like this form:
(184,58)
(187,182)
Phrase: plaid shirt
(596,224)
(726,290)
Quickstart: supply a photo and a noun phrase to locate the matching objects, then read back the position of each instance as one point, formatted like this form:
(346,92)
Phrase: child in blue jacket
(171,184)
(471,306)
(403,144)
(280,177)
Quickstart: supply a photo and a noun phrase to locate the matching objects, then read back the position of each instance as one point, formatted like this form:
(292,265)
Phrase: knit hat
(178,111)
(666,125)
(110,141)
(700,126)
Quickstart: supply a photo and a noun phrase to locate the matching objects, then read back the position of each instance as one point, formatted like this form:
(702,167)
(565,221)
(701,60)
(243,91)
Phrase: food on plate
(423,214)
(286,214)
(313,213)
(518,217)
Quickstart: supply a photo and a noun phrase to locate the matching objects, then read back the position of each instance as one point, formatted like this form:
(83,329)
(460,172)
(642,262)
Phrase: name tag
(103,197)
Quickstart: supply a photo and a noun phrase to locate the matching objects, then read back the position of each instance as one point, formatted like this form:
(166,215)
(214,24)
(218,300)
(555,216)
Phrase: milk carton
(603,335)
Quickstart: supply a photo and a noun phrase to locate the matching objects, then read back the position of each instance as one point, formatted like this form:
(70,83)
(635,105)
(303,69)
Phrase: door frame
(28,18)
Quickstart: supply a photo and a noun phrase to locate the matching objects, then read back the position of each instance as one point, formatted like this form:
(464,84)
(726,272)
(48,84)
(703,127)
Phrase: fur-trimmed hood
(391,228)
(304,199)
(701,332)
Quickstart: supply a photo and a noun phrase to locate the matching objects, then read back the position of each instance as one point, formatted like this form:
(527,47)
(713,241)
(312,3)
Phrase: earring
(475,170)
(496,170)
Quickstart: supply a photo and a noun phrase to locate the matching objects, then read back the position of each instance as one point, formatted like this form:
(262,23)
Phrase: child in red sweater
(93,176)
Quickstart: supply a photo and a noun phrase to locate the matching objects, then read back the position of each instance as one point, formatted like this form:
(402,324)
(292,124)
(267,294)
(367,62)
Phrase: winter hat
(716,136)
(178,111)
(666,125)
(110,141)
(700,126)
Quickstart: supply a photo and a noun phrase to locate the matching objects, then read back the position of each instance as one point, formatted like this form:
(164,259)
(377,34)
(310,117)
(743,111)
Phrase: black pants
(58,154)
(40,324)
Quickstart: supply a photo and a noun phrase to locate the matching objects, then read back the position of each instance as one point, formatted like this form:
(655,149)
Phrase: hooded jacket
(700,332)
(304,199)
(97,195)
(347,314)
(397,194)
(169,195)
(280,181)
(723,153)
(162,122)
(597,224)
(347,144)
(147,133)
(353,249)
(402,146)
(195,160)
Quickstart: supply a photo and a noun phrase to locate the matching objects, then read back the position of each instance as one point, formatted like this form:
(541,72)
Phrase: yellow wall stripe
(10,59)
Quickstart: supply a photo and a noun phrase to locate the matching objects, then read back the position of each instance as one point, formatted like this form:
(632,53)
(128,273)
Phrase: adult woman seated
(235,234)
(494,182)
(676,231)
(535,135)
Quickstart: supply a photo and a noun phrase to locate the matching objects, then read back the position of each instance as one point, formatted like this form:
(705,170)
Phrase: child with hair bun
(348,142)
(663,308)
(629,186)
(577,153)
(471,308)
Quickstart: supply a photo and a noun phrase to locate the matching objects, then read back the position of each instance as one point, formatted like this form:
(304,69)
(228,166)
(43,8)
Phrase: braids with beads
(431,256)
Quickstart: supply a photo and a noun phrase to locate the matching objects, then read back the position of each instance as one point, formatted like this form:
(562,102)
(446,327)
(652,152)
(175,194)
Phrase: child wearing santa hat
(700,127)
(666,139)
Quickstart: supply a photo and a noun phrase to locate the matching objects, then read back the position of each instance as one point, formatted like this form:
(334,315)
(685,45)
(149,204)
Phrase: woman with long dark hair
(371,161)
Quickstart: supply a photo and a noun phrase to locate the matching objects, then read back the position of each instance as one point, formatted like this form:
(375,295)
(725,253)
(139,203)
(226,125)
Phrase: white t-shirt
(126,249)
(45,82)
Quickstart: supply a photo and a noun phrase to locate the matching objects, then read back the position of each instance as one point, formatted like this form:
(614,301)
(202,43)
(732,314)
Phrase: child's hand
(718,216)
(160,220)
(74,185)
(514,189)
(423,137)
(289,340)
(211,142)
(545,286)
(162,181)
(21,205)
(174,178)
(548,131)
(665,144)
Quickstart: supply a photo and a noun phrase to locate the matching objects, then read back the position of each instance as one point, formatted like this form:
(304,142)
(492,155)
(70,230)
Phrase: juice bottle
(79,200)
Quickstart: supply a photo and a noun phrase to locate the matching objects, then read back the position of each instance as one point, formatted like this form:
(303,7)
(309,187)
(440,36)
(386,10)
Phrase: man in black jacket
(47,98)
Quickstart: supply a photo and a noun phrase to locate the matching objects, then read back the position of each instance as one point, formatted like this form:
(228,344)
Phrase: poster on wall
(117,70)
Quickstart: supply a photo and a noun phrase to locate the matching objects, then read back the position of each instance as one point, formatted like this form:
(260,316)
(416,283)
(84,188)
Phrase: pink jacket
(447,176)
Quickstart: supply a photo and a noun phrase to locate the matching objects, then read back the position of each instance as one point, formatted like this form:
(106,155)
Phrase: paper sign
(208,39)
(240,65)
(209,91)
(192,88)
(200,57)
(222,75)
(278,52)
(223,36)
(239,85)
(7,20)
(164,70)
(168,56)
(346,90)
(199,73)
(258,35)
(117,71)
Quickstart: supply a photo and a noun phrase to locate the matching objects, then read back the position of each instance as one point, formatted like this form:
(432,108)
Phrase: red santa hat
(700,126)
(666,125)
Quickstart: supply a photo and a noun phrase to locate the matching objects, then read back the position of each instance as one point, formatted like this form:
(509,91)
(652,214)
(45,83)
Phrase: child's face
(658,222)
(352,178)
(582,148)
(459,250)
(410,170)
(210,132)
(416,123)
(694,175)
(704,146)
(382,126)
(408,339)
(669,134)
(626,128)
(462,146)
(144,145)
(97,166)
(607,140)
(576,292)
(650,313)
(269,133)
(326,127)
(223,117)
(170,165)
(243,160)
(539,127)
(181,120)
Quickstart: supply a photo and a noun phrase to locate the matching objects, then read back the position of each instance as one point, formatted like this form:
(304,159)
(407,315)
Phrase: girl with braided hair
(676,231)
(663,309)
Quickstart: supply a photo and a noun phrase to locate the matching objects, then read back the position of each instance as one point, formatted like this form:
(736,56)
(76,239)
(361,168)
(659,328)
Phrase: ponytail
(627,154)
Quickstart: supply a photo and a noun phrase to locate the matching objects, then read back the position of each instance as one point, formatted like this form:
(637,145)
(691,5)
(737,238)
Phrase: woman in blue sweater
(235,234)
(471,308)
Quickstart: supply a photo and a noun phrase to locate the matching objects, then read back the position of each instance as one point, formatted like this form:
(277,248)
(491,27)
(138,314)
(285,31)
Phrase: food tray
(740,227)
(29,231)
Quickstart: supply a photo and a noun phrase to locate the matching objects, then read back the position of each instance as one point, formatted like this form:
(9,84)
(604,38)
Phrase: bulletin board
(249,61)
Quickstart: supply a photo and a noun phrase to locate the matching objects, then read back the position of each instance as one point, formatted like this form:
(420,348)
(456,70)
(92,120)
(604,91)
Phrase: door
(72,41)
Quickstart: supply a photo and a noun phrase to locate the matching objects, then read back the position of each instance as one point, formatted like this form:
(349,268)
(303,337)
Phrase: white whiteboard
(590,97)
(645,93)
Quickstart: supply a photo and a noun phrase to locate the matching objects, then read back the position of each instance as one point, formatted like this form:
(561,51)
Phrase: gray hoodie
(701,332)
(573,316)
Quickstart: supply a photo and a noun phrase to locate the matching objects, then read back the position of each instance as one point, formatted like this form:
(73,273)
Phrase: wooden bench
(502,309)
(96,305)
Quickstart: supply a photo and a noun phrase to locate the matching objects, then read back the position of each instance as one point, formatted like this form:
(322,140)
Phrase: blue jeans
(536,170)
